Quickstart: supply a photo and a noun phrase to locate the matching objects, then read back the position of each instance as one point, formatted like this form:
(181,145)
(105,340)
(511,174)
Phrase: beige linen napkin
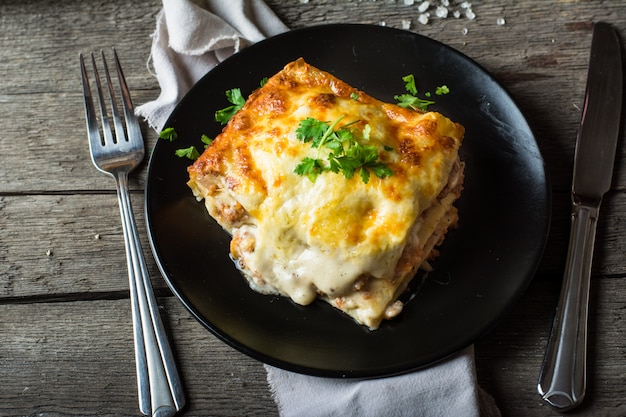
(191,37)
(446,389)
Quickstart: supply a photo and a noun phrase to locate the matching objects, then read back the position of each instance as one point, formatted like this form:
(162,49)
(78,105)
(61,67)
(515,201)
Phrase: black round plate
(484,267)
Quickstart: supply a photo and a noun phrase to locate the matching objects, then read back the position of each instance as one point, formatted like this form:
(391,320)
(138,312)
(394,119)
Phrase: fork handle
(159,386)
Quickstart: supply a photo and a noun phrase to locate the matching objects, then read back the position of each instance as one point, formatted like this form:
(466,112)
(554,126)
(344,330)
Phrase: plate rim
(389,371)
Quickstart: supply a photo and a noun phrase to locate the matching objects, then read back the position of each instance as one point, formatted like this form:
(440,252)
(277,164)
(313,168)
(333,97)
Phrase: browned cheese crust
(353,244)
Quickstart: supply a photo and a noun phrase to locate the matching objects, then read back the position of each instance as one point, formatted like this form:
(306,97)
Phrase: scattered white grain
(304,1)
(464,31)
(500,21)
(97,236)
(441,12)
(440,9)
(48,252)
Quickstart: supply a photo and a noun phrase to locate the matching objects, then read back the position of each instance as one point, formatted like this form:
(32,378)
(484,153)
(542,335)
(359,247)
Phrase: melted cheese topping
(301,238)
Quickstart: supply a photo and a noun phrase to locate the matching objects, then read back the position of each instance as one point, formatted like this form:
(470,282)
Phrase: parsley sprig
(237,100)
(169,133)
(411,100)
(222,116)
(346,154)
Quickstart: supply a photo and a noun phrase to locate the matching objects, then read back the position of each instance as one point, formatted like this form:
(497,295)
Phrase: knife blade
(562,381)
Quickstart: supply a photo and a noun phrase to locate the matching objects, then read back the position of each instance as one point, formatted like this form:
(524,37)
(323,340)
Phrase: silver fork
(117,153)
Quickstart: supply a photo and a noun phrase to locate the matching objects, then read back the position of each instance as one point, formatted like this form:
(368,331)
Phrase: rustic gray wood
(65,329)
(76,358)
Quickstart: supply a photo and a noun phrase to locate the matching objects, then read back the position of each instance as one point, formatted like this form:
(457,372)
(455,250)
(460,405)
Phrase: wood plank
(41,42)
(41,363)
(78,249)
(41,107)
(509,358)
(49,148)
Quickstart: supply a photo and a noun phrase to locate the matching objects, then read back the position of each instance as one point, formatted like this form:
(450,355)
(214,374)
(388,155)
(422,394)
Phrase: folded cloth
(191,37)
(444,389)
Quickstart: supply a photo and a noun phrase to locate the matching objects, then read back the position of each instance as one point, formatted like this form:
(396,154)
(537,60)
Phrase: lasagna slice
(354,241)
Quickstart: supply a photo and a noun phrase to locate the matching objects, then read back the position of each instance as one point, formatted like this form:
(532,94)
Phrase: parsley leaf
(189,153)
(409,84)
(380,170)
(413,102)
(168,134)
(237,100)
(348,165)
(206,140)
(367,130)
(310,129)
(233,96)
(441,90)
(309,167)
(346,155)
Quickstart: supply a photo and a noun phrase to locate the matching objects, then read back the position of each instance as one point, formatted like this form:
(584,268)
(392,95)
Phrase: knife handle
(563,377)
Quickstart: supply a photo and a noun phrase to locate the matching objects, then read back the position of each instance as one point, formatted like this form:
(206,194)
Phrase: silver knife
(562,382)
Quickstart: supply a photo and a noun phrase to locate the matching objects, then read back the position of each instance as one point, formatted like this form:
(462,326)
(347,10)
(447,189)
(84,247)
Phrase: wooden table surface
(65,326)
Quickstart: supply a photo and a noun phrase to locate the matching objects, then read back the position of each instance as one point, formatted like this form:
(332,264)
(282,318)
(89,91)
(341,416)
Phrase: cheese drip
(325,237)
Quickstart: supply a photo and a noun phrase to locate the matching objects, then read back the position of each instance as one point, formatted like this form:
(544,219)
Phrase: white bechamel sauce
(299,270)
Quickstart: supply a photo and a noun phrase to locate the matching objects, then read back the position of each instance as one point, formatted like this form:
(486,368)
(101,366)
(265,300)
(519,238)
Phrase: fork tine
(117,121)
(132,124)
(93,132)
(104,118)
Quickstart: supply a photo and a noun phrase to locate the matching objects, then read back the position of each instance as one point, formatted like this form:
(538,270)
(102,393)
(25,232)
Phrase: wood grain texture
(76,358)
(509,358)
(79,249)
(65,344)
